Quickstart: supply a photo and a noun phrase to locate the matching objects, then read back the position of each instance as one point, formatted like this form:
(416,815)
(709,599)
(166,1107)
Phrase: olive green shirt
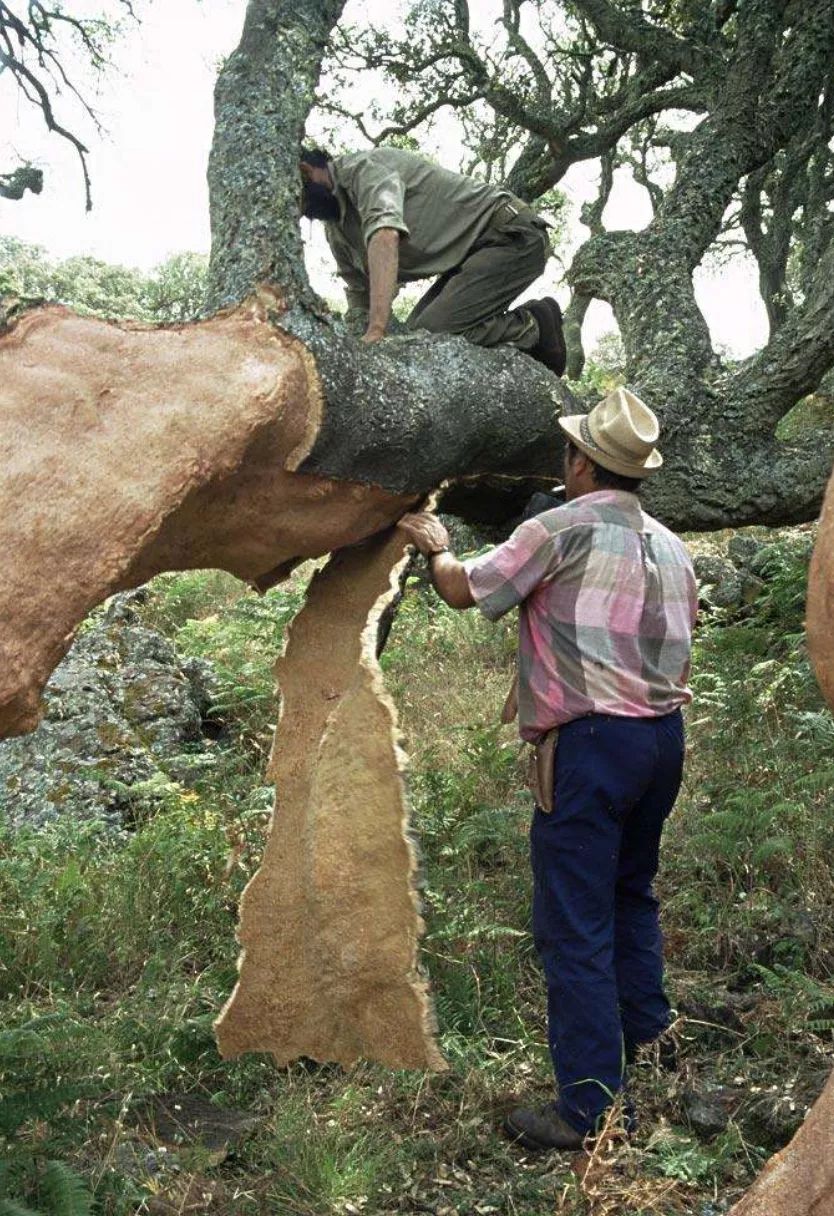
(439,216)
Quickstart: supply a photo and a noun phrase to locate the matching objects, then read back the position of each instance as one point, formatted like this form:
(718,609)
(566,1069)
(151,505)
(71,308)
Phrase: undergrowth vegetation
(116,954)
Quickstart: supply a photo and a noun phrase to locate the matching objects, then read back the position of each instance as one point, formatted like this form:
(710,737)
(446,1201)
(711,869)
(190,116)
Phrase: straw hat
(619,433)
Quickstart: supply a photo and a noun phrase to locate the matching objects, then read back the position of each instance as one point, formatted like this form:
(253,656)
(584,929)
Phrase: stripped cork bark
(330,923)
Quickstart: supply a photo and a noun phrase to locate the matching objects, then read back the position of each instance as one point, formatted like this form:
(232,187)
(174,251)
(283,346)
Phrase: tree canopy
(724,110)
(171,292)
(658,89)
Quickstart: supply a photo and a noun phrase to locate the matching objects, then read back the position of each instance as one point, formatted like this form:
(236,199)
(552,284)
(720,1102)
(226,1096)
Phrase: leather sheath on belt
(541,769)
(541,756)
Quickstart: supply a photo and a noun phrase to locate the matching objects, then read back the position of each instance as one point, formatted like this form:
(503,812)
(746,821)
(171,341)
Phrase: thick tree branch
(769,98)
(521,47)
(263,95)
(628,30)
(580,301)
(590,144)
(797,356)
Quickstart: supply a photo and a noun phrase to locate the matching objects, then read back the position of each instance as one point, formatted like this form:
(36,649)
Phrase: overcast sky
(148,166)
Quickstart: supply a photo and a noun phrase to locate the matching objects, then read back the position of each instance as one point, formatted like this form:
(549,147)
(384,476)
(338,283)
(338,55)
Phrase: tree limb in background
(580,302)
(14,185)
(31,51)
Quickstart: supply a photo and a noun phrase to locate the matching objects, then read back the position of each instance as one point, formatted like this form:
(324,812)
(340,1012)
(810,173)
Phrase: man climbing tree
(393,217)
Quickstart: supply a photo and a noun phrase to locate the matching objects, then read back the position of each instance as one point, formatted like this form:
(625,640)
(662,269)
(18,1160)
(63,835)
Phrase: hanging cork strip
(329,925)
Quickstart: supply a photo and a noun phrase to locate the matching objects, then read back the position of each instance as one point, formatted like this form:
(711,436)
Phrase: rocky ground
(125,716)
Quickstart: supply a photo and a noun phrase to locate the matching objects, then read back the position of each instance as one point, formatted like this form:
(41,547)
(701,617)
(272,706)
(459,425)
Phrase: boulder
(712,568)
(742,549)
(125,717)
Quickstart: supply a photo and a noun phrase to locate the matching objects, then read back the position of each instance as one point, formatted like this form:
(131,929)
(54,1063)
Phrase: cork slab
(799,1180)
(130,449)
(330,923)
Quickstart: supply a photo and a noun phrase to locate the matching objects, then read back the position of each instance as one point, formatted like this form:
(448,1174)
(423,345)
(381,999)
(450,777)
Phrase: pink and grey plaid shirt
(608,601)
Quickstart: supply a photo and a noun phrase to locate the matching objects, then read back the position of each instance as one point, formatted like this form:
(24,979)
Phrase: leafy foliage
(172,292)
(64,1192)
(58,1189)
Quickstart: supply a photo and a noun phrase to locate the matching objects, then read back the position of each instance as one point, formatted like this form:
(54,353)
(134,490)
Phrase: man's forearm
(448,575)
(383,265)
(450,580)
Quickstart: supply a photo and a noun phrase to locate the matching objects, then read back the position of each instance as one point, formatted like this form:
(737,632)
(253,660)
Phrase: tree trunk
(129,450)
(263,96)
(724,464)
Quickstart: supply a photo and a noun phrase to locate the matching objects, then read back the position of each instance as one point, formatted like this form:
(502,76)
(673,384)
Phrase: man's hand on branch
(449,576)
(425,531)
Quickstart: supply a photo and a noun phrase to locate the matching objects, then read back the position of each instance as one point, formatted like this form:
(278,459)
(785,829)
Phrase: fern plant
(60,1192)
(64,1192)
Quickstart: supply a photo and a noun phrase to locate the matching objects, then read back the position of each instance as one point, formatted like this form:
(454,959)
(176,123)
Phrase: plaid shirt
(608,601)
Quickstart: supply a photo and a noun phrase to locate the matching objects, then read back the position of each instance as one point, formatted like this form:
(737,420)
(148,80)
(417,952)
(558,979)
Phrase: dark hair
(316,157)
(605,478)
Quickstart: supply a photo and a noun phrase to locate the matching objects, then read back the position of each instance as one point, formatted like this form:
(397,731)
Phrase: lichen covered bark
(415,410)
(263,96)
(724,462)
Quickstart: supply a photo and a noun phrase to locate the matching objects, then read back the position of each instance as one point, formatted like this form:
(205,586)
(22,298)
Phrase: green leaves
(10,1207)
(63,1191)
(172,292)
(60,1192)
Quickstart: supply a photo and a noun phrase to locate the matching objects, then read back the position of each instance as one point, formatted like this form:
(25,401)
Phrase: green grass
(115,956)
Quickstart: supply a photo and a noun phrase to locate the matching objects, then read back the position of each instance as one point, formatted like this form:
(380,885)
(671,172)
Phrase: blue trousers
(595,916)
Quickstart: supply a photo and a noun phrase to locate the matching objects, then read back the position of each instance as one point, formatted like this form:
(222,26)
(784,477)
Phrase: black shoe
(542,1129)
(550,349)
(558,321)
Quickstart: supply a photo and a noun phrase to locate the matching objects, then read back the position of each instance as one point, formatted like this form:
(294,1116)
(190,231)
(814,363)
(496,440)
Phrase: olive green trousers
(472,299)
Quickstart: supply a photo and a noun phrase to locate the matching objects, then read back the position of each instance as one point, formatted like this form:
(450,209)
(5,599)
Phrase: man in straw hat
(607,602)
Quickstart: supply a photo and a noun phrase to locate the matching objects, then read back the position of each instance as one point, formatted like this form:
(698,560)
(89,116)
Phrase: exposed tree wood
(329,924)
(799,1180)
(130,450)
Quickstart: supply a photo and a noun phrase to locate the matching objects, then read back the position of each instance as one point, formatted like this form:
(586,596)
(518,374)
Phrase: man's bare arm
(450,581)
(447,573)
(383,264)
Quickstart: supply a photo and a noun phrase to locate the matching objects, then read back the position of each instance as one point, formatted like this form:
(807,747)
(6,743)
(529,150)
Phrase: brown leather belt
(510,209)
